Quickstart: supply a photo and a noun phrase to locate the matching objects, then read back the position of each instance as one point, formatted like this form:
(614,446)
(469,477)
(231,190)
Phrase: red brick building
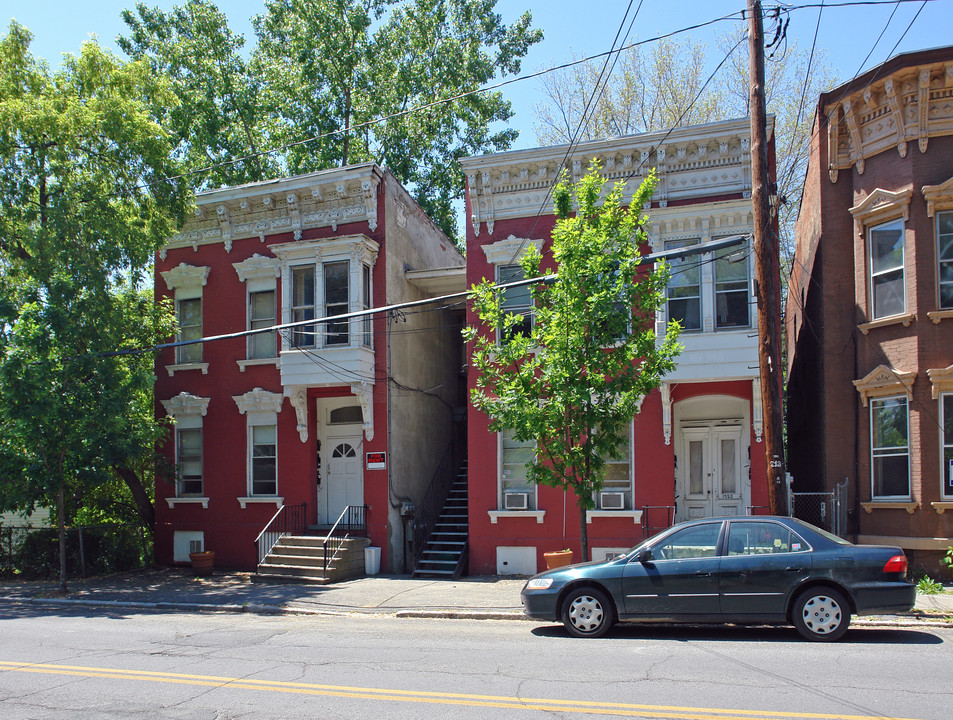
(272,420)
(870,305)
(695,448)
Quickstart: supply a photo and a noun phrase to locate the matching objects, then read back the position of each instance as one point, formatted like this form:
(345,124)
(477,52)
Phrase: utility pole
(767,270)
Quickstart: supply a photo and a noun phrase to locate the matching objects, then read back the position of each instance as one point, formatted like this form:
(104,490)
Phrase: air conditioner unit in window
(515,501)
(612,501)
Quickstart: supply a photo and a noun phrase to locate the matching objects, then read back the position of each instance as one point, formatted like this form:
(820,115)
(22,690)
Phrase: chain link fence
(827,510)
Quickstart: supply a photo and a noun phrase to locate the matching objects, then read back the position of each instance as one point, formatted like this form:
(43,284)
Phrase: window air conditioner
(515,501)
(612,501)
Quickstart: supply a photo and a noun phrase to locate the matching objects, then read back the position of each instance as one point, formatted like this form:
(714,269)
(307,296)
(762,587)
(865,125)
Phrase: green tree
(574,380)
(345,72)
(82,210)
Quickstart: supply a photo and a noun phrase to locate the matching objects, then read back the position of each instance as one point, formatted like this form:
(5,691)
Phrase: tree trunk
(61,522)
(583,533)
(143,504)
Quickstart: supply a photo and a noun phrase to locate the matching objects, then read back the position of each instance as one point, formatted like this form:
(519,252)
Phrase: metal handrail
(289,519)
(434,498)
(356,522)
(670,518)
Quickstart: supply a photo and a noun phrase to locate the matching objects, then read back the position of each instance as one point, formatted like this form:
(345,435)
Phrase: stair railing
(351,521)
(289,520)
(431,504)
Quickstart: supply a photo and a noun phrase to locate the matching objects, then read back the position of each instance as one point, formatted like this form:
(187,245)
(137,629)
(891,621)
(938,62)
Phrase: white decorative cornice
(258,400)
(366,249)
(185,276)
(883,381)
(938,197)
(258,267)
(509,251)
(288,205)
(185,404)
(912,102)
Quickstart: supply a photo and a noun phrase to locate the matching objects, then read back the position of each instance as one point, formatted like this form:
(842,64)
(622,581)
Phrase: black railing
(289,520)
(352,521)
(656,518)
(431,504)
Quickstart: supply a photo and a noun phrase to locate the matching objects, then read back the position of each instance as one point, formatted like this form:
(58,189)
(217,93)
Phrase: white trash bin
(372,560)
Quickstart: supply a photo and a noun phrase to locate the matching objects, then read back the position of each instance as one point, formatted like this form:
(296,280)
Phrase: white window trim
(941,311)
(891,498)
(869,269)
(260,407)
(945,497)
(359,250)
(187,411)
(260,274)
(599,512)
(186,282)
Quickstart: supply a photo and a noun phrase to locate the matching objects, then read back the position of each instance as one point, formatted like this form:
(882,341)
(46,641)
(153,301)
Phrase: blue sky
(846,34)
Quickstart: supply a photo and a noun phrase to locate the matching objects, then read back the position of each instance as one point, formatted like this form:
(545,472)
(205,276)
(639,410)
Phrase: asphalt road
(84,663)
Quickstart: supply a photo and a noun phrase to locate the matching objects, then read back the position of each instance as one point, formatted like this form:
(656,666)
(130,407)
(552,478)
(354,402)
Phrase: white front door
(342,479)
(709,479)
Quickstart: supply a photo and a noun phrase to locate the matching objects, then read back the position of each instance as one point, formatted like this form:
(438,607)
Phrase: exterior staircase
(445,554)
(300,559)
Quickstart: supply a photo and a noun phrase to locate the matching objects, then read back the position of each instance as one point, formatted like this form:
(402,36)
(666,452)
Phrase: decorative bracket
(299,401)
(365,395)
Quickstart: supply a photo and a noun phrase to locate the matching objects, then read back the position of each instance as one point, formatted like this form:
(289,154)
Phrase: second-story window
(684,288)
(302,305)
(336,293)
(261,314)
(516,300)
(885,248)
(944,224)
(731,289)
(190,328)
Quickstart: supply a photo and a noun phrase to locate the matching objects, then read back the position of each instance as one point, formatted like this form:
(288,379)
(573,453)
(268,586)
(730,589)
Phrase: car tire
(588,612)
(821,614)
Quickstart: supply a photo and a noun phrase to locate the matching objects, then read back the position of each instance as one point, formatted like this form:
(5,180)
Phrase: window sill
(904,320)
(173,501)
(938,315)
(260,500)
(636,515)
(495,515)
(942,507)
(910,507)
(173,369)
(242,364)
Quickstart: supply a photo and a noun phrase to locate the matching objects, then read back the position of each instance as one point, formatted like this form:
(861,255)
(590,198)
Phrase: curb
(434,614)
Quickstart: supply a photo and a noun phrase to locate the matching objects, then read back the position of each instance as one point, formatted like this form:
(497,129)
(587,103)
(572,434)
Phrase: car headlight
(539,583)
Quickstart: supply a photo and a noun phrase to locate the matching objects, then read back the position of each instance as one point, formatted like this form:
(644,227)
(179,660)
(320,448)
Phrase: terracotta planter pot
(202,562)
(557,559)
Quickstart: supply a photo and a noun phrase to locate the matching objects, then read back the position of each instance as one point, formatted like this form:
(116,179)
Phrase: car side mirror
(645,555)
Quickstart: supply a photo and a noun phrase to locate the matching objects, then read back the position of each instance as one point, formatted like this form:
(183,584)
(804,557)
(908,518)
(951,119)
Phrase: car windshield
(824,534)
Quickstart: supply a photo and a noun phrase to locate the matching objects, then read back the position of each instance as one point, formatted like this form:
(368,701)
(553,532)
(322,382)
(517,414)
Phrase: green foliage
(574,382)
(948,558)
(83,207)
(928,586)
(341,70)
(105,550)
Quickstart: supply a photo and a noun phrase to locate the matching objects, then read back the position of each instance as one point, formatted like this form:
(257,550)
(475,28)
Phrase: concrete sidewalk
(496,598)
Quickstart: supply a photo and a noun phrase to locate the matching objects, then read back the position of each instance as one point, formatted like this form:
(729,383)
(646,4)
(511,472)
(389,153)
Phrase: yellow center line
(423,696)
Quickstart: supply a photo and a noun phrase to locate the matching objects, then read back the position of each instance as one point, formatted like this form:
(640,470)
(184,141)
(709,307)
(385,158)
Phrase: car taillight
(896,564)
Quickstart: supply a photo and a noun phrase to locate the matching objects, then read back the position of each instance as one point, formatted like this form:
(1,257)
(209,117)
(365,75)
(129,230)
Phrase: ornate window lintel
(884,381)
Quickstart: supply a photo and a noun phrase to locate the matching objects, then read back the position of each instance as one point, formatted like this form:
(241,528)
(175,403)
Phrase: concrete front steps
(300,559)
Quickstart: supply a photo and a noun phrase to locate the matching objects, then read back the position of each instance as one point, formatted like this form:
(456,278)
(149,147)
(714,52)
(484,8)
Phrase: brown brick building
(870,306)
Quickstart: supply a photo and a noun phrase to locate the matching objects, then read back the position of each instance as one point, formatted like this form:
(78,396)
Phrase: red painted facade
(709,401)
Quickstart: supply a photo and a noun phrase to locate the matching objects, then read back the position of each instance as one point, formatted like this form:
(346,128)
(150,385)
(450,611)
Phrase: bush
(106,549)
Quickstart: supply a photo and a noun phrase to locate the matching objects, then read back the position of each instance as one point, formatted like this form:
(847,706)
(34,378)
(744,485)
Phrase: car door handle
(794,569)
(702,573)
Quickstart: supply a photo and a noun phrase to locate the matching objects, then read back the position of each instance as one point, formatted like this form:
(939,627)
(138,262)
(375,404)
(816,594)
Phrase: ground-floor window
(264,460)
(616,493)
(189,461)
(946,472)
(518,493)
(890,448)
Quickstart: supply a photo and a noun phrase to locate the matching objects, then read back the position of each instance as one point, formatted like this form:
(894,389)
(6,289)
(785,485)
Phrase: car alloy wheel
(821,614)
(587,612)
